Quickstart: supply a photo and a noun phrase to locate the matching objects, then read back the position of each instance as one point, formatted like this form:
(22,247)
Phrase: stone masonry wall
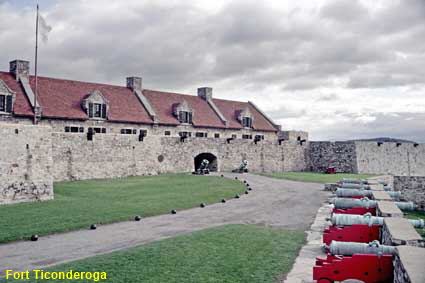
(338,155)
(405,159)
(25,163)
(115,155)
(412,189)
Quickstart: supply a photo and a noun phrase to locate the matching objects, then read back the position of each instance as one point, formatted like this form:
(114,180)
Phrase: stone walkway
(272,202)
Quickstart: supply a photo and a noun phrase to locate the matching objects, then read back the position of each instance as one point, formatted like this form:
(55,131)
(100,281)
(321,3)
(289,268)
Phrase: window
(201,135)
(247,137)
(143,132)
(217,136)
(72,129)
(185,117)
(3,103)
(97,110)
(185,134)
(247,122)
(6,103)
(167,133)
(259,137)
(128,131)
(234,136)
(99,130)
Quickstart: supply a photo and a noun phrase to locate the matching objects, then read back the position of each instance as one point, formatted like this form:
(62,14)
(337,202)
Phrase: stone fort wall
(115,155)
(32,157)
(25,164)
(405,159)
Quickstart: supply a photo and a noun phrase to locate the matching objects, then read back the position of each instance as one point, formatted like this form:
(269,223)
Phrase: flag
(44,28)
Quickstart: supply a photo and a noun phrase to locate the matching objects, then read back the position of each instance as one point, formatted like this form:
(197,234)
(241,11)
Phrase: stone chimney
(134,83)
(19,68)
(205,93)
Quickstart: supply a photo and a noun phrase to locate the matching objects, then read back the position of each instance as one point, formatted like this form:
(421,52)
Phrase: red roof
(62,99)
(230,109)
(162,103)
(21,105)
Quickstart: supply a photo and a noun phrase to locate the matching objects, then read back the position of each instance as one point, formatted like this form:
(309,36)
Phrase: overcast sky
(339,69)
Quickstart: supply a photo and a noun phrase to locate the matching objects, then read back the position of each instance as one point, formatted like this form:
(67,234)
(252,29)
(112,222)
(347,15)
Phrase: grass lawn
(417,215)
(228,254)
(80,203)
(314,177)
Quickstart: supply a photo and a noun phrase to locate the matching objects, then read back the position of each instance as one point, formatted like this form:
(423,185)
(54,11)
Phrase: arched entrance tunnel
(208,156)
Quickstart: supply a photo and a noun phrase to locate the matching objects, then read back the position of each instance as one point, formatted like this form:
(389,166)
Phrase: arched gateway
(208,156)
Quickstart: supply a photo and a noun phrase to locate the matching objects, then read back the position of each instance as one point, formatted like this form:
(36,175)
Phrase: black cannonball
(34,237)
(93,227)
(246,192)
(202,205)
(173,211)
(222,175)
(137,218)
(223,200)
(249,189)
(236,178)
(237,196)
(244,181)
(247,184)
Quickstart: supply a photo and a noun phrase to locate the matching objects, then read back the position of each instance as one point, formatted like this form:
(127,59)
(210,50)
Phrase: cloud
(306,63)
(328,97)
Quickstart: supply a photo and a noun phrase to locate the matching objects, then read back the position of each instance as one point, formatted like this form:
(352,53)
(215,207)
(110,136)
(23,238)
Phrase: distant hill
(385,140)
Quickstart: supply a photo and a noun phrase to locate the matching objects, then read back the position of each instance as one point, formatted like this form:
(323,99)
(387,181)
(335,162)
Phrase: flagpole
(36,59)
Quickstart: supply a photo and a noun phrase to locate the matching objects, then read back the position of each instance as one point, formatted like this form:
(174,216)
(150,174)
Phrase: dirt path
(272,202)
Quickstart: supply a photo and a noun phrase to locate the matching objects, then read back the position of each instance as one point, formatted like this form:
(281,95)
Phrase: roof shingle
(62,99)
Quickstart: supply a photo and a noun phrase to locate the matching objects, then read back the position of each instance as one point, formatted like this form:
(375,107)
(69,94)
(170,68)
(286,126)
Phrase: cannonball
(34,237)
(93,227)
(237,196)
(246,192)
(223,200)
(222,175)
(236,178)
(202,205)
(173,211)
(249,189)
(137,218)
(244,181)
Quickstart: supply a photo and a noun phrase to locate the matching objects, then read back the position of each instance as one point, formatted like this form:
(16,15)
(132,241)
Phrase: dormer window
(98,110)
(96,105)
(6,98)
(247,122)
(185,117)
(245,118)
(183,112)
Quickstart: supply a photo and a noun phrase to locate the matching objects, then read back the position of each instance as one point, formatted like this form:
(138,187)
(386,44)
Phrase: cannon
(350,202)
(354,181)
(367,219)
(343,193)
(351,248)
(340,192)
(203,168)
(243,168)
(365,202)
(406,205)
(354,186)
(365,268)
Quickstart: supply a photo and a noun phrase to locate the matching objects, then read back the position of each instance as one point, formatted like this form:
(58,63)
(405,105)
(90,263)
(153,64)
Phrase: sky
(339,69)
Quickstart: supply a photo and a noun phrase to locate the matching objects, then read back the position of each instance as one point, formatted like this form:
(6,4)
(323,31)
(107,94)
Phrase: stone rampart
(25,163)
(115,155)
(412,188)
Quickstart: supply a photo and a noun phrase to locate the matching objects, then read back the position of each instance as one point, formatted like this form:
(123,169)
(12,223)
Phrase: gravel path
(273,202)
